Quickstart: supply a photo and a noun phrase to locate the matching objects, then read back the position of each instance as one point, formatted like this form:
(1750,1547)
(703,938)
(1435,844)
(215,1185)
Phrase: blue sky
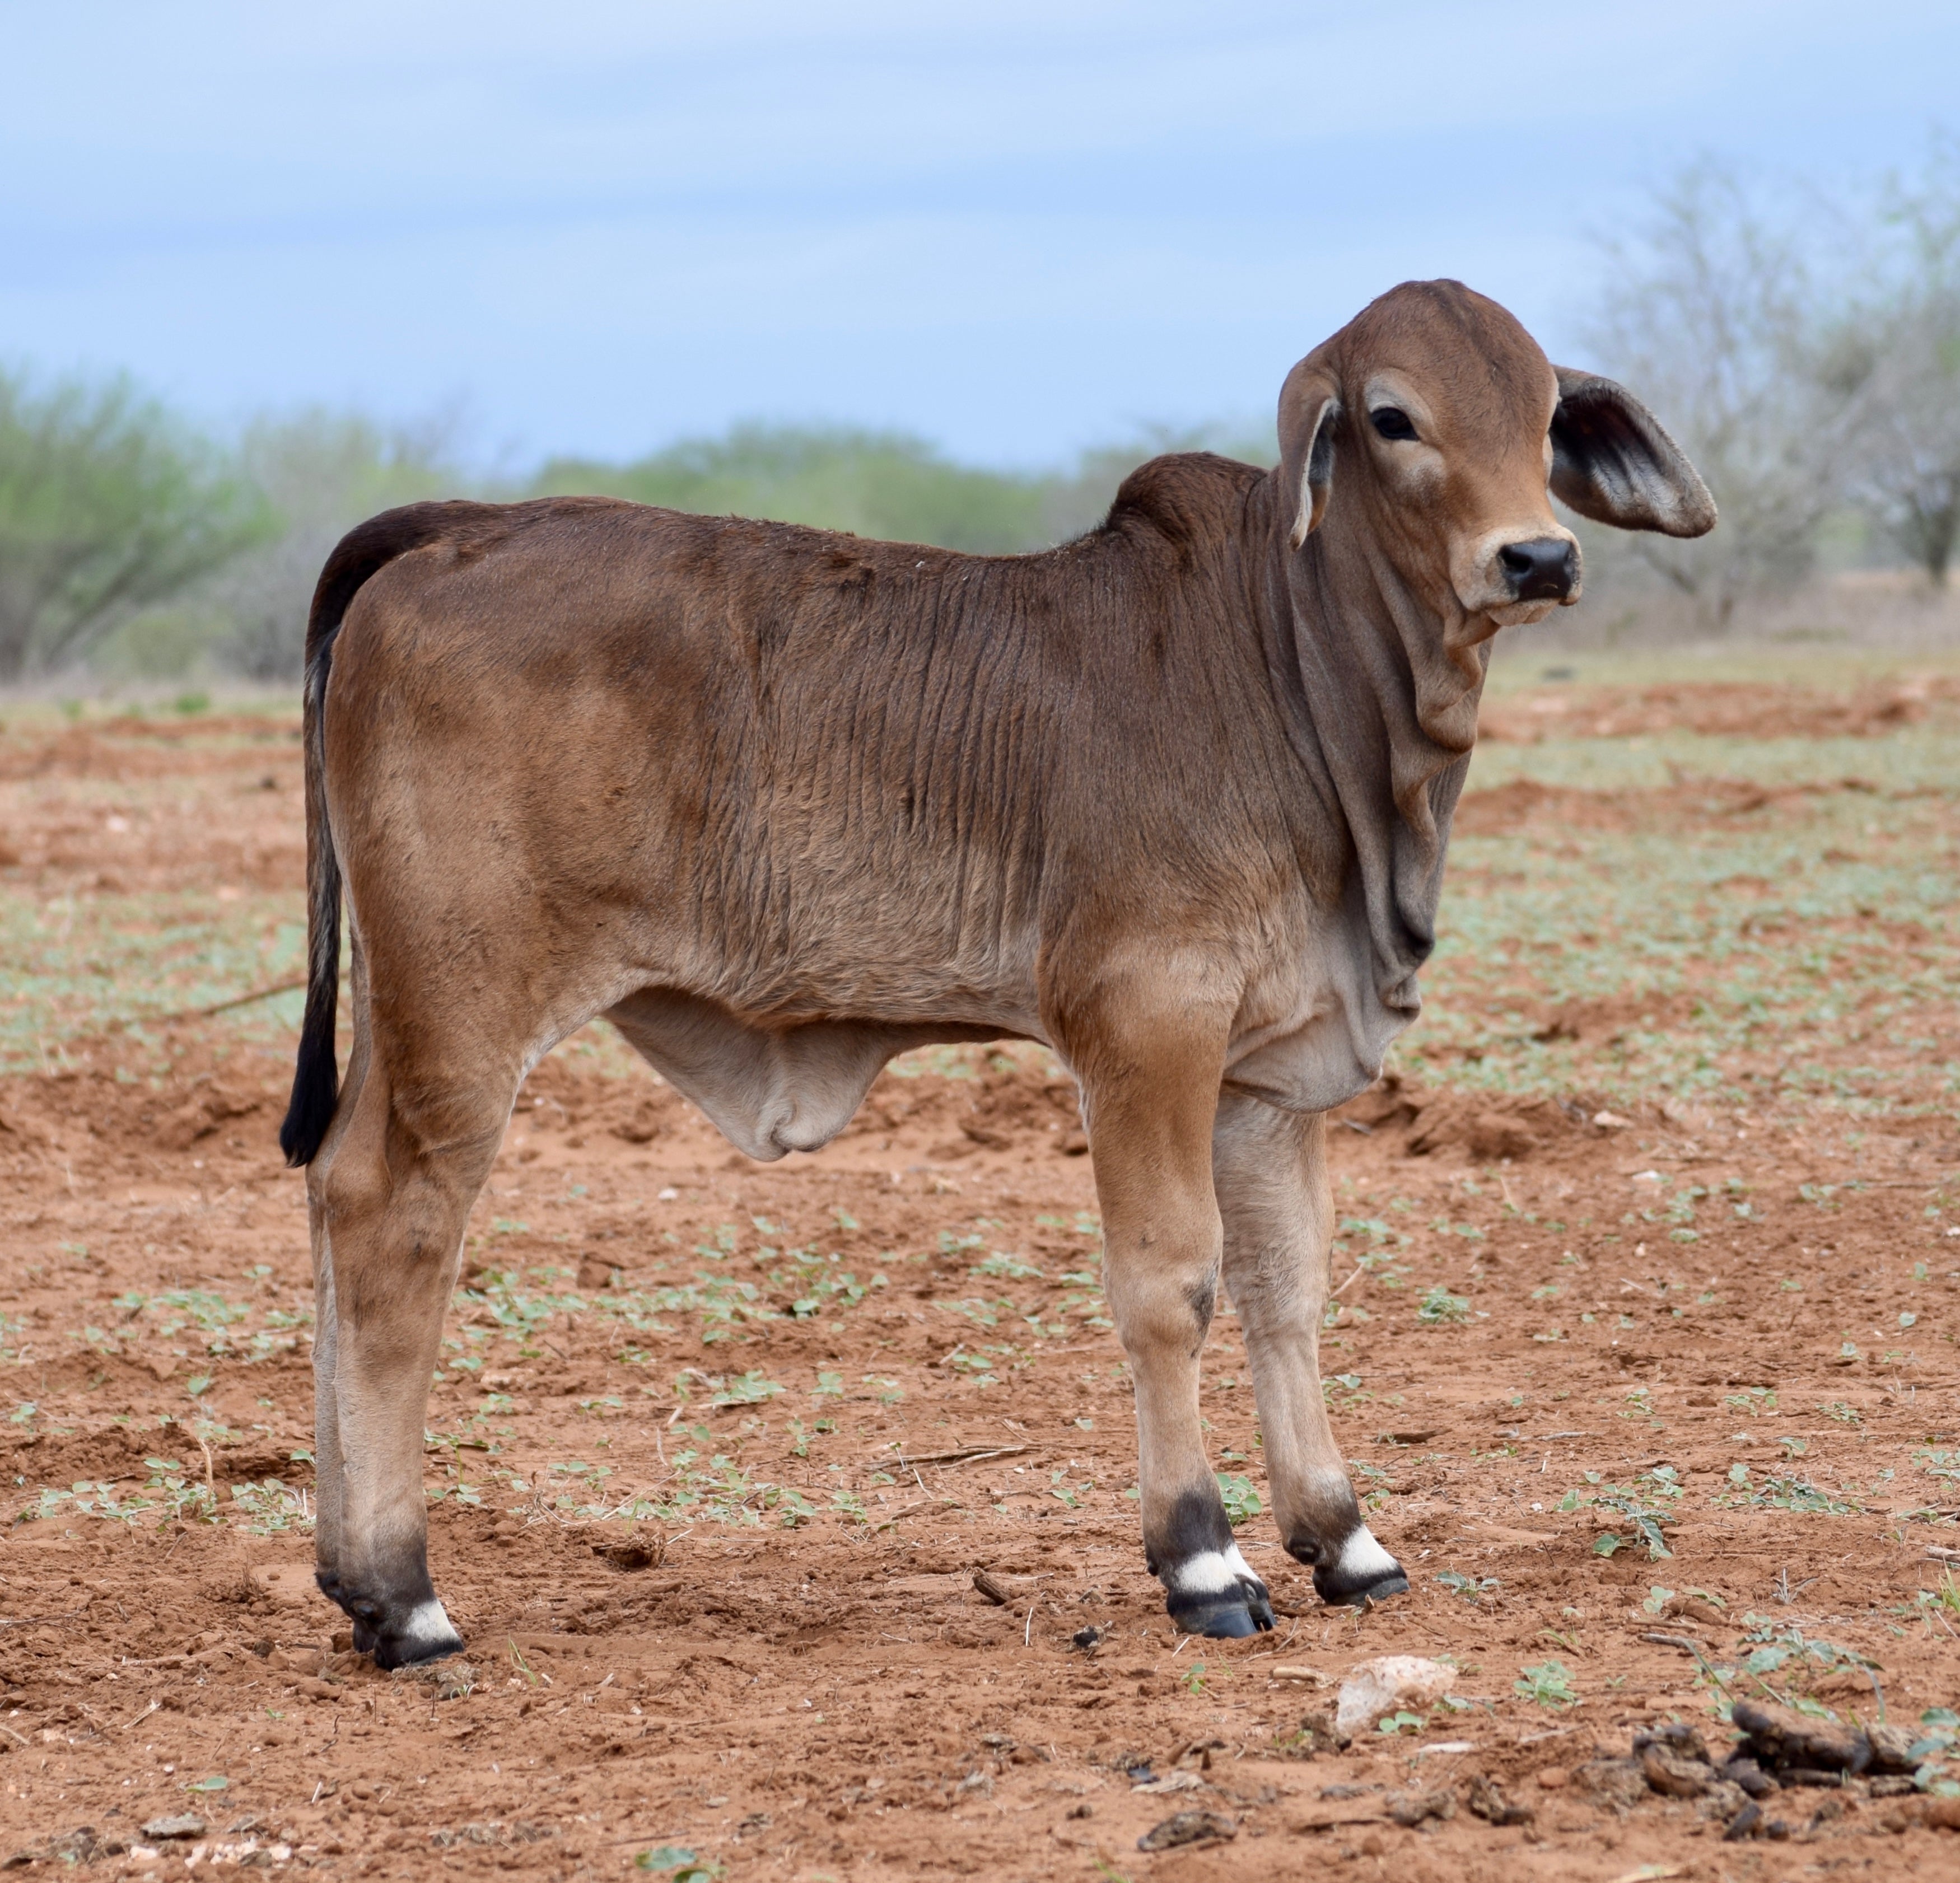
(1016,228)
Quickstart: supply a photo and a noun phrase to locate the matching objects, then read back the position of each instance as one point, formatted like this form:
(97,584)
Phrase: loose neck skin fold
(1388,689)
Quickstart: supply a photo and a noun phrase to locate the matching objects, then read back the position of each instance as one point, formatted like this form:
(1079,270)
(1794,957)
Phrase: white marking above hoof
(1362,1559)
(1212,1572)
(428,1626)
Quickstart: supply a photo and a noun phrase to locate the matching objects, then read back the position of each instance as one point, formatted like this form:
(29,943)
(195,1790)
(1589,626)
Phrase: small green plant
(1398,1722)
(1002,1267)
(1781,1492)
(1242,1501)
(1438,1307)
(1469,1587)
(750,1389)
(1646,1517)
(1547,1684)
(678,1864)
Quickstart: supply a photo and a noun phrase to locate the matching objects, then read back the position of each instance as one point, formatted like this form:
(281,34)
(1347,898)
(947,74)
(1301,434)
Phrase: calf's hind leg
(390,1197)
(1270,1170)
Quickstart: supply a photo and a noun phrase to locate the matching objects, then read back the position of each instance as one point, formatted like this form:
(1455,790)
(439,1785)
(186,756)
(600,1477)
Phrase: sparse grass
(1782,951)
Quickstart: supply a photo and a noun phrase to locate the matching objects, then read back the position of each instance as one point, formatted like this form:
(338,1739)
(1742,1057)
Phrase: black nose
(1542,569)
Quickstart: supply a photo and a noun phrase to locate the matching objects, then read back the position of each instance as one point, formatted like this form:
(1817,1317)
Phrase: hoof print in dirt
(1189,1828)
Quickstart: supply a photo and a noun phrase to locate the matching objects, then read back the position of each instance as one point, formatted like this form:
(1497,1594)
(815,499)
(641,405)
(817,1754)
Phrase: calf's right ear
(1309,404)
(1611,461)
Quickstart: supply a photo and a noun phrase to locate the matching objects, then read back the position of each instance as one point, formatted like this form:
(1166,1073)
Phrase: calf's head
(1434,426)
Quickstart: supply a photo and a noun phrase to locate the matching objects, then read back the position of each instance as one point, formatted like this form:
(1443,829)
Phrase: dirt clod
(1189,1828)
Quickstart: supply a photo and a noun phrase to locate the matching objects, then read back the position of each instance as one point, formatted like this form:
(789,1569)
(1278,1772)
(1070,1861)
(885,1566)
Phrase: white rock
(1389,1685)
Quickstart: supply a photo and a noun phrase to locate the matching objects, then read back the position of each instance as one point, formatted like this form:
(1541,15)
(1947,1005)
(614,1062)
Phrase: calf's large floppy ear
(1611,461)
(1309,404)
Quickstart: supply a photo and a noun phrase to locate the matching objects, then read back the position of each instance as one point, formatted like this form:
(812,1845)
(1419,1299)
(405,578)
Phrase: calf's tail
(359,555)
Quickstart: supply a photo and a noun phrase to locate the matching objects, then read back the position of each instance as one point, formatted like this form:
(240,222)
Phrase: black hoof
(1227,1615)
(407,1647)
(1358,1591)
(394,1634)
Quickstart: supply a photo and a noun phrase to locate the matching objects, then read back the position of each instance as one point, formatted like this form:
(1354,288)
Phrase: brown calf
(1173,799)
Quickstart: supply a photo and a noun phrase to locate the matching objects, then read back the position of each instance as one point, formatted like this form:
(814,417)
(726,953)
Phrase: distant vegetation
(873,483)
(1805,348)
(108,506)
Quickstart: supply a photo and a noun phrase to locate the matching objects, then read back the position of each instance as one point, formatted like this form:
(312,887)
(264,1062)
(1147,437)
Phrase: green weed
(1547,1684)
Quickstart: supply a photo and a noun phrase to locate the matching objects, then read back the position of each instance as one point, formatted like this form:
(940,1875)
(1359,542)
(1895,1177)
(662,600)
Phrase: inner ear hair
(1611,460)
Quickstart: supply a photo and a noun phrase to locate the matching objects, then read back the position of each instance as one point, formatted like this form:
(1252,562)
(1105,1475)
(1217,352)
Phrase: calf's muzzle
(1542,569)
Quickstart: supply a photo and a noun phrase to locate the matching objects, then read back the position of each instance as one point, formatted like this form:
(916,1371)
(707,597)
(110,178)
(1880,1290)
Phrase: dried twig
(217,1006)
(966,1455)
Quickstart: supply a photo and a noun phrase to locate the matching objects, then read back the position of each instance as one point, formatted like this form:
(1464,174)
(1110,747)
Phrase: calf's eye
(1392,422)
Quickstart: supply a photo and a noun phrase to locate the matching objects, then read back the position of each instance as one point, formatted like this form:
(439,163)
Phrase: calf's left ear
(1611,461)
(1309,406)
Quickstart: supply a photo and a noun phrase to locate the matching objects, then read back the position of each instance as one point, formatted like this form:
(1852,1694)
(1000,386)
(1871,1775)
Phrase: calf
(1172,798)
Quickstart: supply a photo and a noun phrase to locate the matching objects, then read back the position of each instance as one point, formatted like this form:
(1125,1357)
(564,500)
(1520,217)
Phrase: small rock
(1672,1776)
(1621,1783)
(162,1830)
(1188,1827)
(1410,1808)
(1553,1778)
(1891,1748)
(1378,1687)
(1677,1736)
(1721,1802)
(1743,1824)
(1087,1639)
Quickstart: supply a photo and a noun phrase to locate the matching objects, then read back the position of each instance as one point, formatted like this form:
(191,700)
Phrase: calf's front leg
(1270,1168)
(1150,1112)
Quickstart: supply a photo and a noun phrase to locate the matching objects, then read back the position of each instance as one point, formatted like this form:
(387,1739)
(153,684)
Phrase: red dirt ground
(831,1696)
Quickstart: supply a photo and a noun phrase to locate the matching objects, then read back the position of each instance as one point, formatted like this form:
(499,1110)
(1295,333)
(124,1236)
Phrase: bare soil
(709,1504)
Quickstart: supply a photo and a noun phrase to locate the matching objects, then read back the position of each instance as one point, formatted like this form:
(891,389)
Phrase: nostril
(1516,560)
